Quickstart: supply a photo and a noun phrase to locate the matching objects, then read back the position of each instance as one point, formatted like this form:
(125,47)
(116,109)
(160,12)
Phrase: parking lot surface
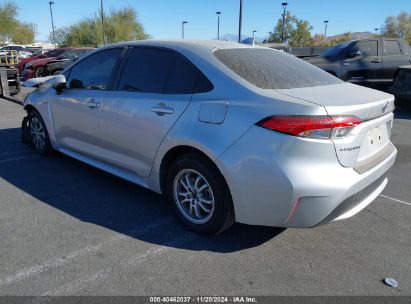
(69,229)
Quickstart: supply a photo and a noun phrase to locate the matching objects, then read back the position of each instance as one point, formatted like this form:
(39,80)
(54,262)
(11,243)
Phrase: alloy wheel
(38,134)
(193,196)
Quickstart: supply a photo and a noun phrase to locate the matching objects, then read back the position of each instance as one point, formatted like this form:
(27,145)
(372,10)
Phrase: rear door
(154,87)
(394,57)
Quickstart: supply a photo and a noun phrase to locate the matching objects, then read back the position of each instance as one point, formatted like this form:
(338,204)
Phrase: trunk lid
(369,140)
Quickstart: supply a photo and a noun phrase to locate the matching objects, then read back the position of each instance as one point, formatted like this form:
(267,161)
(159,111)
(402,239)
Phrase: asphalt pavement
(69,229)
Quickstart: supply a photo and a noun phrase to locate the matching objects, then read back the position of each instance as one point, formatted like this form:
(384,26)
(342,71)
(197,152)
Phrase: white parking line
(396,200)
(75,286)
(17,158)
(59,261)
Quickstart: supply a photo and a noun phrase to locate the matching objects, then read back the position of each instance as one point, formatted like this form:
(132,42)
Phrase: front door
(363,63)
(76,110)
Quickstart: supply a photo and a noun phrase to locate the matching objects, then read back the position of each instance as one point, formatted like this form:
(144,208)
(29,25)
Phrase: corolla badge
(385,107)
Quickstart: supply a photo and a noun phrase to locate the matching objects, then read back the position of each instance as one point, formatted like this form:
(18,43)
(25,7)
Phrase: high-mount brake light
(311,126)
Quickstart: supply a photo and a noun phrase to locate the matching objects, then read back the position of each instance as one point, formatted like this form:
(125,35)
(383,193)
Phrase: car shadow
(99,198)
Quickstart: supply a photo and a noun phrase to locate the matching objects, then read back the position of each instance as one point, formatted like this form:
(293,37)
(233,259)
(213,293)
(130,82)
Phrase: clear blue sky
(162,18)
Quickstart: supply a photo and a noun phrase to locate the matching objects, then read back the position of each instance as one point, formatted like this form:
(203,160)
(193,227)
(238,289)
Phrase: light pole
(102,22)
(52,23)
(240,21)
(326,26)
(284,4)
(254,35)
(218,25)
(182,28)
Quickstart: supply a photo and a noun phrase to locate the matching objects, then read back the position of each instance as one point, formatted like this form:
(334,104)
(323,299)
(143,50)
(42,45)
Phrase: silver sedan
(227,132)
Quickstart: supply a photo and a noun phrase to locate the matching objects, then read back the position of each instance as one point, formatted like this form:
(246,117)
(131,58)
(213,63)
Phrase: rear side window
(392,47)
(150,70)
(95,72)
(368,48)
(182,77)
(146,71)
(271,69)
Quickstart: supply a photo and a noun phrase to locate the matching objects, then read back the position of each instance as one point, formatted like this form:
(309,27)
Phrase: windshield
(55,53)
(272,69)
(336,50)
(74,54)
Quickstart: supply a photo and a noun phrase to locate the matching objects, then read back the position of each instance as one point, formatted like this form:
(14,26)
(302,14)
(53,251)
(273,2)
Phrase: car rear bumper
(284,181)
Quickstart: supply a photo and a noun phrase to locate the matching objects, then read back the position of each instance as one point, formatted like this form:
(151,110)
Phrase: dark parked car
(401,87)
(371,62)
(56,66)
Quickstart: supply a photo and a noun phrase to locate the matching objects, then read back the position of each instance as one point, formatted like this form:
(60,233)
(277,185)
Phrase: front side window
(271,69)
(95,72)
(336,50)
(392,47)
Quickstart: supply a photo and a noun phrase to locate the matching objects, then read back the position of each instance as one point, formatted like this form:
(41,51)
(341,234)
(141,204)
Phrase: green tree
(119,25)
(340,39)
(13,29)
(61,34)
(398,26)
(301,35)
(297,32)
(319,40)
(289,27)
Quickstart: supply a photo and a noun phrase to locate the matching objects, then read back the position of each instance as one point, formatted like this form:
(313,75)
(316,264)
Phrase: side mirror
(59,87)
(59,83)
(354,53)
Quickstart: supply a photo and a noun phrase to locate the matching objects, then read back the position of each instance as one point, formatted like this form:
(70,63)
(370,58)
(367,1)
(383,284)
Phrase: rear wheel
(39,135)
(199,195)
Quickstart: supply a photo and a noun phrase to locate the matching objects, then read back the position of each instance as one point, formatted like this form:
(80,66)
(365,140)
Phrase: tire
(38,72)
(39,135)
(204,204)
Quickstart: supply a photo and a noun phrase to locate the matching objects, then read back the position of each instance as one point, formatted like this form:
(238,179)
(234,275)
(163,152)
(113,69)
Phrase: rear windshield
(271,69)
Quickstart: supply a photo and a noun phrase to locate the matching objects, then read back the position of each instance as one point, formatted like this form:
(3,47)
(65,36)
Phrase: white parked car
(227,132)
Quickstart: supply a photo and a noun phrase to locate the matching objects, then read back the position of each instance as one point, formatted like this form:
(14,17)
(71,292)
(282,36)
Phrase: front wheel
(38,72)
(199,195)
(39,135)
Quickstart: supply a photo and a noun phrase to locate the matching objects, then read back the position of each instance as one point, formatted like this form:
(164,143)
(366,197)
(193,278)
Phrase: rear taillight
(311,126)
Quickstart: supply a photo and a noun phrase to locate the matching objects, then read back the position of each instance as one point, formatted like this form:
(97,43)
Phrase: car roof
(186,44)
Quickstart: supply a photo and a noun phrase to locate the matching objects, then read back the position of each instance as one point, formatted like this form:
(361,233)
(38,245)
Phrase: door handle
(376,60)
(92,104)
(161,109)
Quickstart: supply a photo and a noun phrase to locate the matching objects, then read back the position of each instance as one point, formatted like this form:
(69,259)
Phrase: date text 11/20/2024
(203,300)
